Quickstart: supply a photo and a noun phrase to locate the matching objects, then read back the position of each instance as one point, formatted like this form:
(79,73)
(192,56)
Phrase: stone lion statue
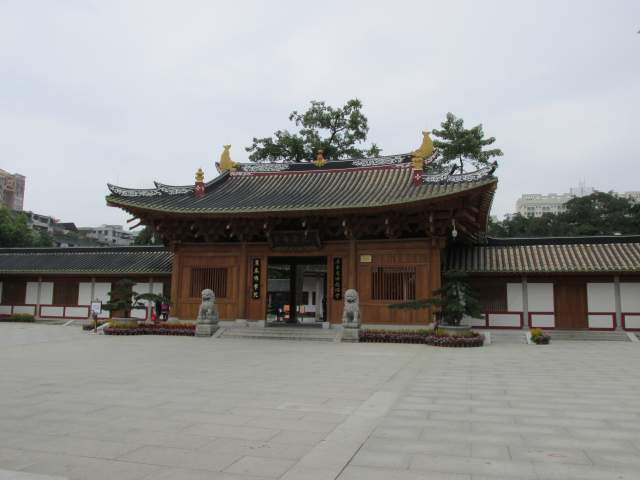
(351,312)
(208,312)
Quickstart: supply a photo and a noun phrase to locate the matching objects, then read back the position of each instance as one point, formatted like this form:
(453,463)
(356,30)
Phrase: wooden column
(618,301)
(91,295)
(525,301)
(435,273)
(37,312)
(353,265)
(243,283)
(175,283)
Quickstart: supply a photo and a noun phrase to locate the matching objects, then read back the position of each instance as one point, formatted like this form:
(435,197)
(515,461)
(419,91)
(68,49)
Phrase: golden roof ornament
(200,175)
(320,160)
(423,152)
(225,160)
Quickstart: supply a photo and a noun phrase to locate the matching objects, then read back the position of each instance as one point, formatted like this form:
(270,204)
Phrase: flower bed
(132,328)
(426,337)
(91,326)
(540,337)
(18,317)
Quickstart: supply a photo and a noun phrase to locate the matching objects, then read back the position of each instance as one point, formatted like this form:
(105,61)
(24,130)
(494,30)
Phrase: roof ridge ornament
(199,186)
(425,150)
(320,161)
(225,161)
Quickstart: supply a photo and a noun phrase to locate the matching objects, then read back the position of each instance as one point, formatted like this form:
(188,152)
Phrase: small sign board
(96,307)
(366,259)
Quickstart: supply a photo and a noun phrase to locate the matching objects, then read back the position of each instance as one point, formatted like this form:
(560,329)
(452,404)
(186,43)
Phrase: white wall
(474,322)
(46,293)
(540,320)
(632,322)
(540,297)
(511,320)
(84,293)
(311,285)
(49,311)
(630,297)
(101,293)
(601,297)
(514,297)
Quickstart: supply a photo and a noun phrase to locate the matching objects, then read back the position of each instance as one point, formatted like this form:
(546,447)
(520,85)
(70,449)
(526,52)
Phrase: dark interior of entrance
(296,290)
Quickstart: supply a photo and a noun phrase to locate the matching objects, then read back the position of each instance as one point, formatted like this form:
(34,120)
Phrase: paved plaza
(82,406)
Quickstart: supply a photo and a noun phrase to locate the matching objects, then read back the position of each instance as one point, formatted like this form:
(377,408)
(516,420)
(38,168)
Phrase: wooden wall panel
(421,254)
(205,256)
(418,254)
(65,292)
(14,291)
(570,300)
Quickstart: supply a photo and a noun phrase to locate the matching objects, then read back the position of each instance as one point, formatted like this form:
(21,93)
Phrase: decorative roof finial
(199,187)
(225,160)
(320,160)
(423,152)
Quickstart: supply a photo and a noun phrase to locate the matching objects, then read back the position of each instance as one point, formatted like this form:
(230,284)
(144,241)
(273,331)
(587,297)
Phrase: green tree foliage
(147,237)
(121,298)
(597,214)
(457,144)
(15,231)
(337,131)
(454,299)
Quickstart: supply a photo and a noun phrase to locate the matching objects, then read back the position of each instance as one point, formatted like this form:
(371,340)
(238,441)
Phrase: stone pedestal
(206,329)
(351,333)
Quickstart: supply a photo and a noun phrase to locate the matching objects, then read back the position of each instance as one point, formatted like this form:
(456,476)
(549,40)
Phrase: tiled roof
(569,255)
(152,260)
(255,189)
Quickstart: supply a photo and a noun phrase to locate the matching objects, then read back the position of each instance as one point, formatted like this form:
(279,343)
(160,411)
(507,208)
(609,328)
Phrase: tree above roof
(337,131)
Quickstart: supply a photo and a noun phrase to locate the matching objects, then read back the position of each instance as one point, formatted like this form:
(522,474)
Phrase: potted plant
(453,301)
(122,298)
(539,336)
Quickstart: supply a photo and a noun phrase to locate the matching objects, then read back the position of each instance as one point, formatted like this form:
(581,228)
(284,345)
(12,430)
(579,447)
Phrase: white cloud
(130,92)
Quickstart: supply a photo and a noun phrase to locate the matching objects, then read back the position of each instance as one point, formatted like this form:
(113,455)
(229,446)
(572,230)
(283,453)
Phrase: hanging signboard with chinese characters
(255,278)
(337,278)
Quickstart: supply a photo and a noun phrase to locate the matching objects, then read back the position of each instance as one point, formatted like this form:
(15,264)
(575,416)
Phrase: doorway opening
(296,291)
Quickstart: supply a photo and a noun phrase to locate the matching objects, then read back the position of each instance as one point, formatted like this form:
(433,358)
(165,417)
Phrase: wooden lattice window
(213,278)
(65,293)
(492,296)
(393,283)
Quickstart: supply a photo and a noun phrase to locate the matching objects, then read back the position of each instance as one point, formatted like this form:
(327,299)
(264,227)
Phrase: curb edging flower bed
(424,337)
(176,329)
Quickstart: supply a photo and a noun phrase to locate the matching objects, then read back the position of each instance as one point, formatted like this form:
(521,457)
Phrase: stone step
(281,333)
(505,336)
(588,335)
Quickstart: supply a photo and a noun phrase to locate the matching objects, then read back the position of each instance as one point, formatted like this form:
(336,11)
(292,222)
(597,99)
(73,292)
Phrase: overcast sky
(134,91)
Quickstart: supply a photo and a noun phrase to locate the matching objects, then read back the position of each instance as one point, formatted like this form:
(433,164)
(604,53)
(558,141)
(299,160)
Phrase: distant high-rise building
(633,196)
(109,235)
(12,190)
(537,204)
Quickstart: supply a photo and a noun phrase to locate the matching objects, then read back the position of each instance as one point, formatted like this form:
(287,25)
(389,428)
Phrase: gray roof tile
(152,260)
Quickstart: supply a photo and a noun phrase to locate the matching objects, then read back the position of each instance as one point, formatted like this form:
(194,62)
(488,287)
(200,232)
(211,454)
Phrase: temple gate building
(282,242)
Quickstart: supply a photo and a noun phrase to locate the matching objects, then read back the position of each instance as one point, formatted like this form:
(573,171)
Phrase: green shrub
(19,317)
(539,336)
(121,324)
(440,332)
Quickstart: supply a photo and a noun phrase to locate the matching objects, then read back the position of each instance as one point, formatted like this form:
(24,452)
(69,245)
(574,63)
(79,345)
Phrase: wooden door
(570,305)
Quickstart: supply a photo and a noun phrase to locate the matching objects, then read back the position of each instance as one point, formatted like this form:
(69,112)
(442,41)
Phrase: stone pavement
(81,406)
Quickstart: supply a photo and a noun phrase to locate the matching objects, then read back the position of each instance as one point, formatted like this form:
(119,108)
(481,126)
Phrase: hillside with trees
(597,214)
(15,231)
